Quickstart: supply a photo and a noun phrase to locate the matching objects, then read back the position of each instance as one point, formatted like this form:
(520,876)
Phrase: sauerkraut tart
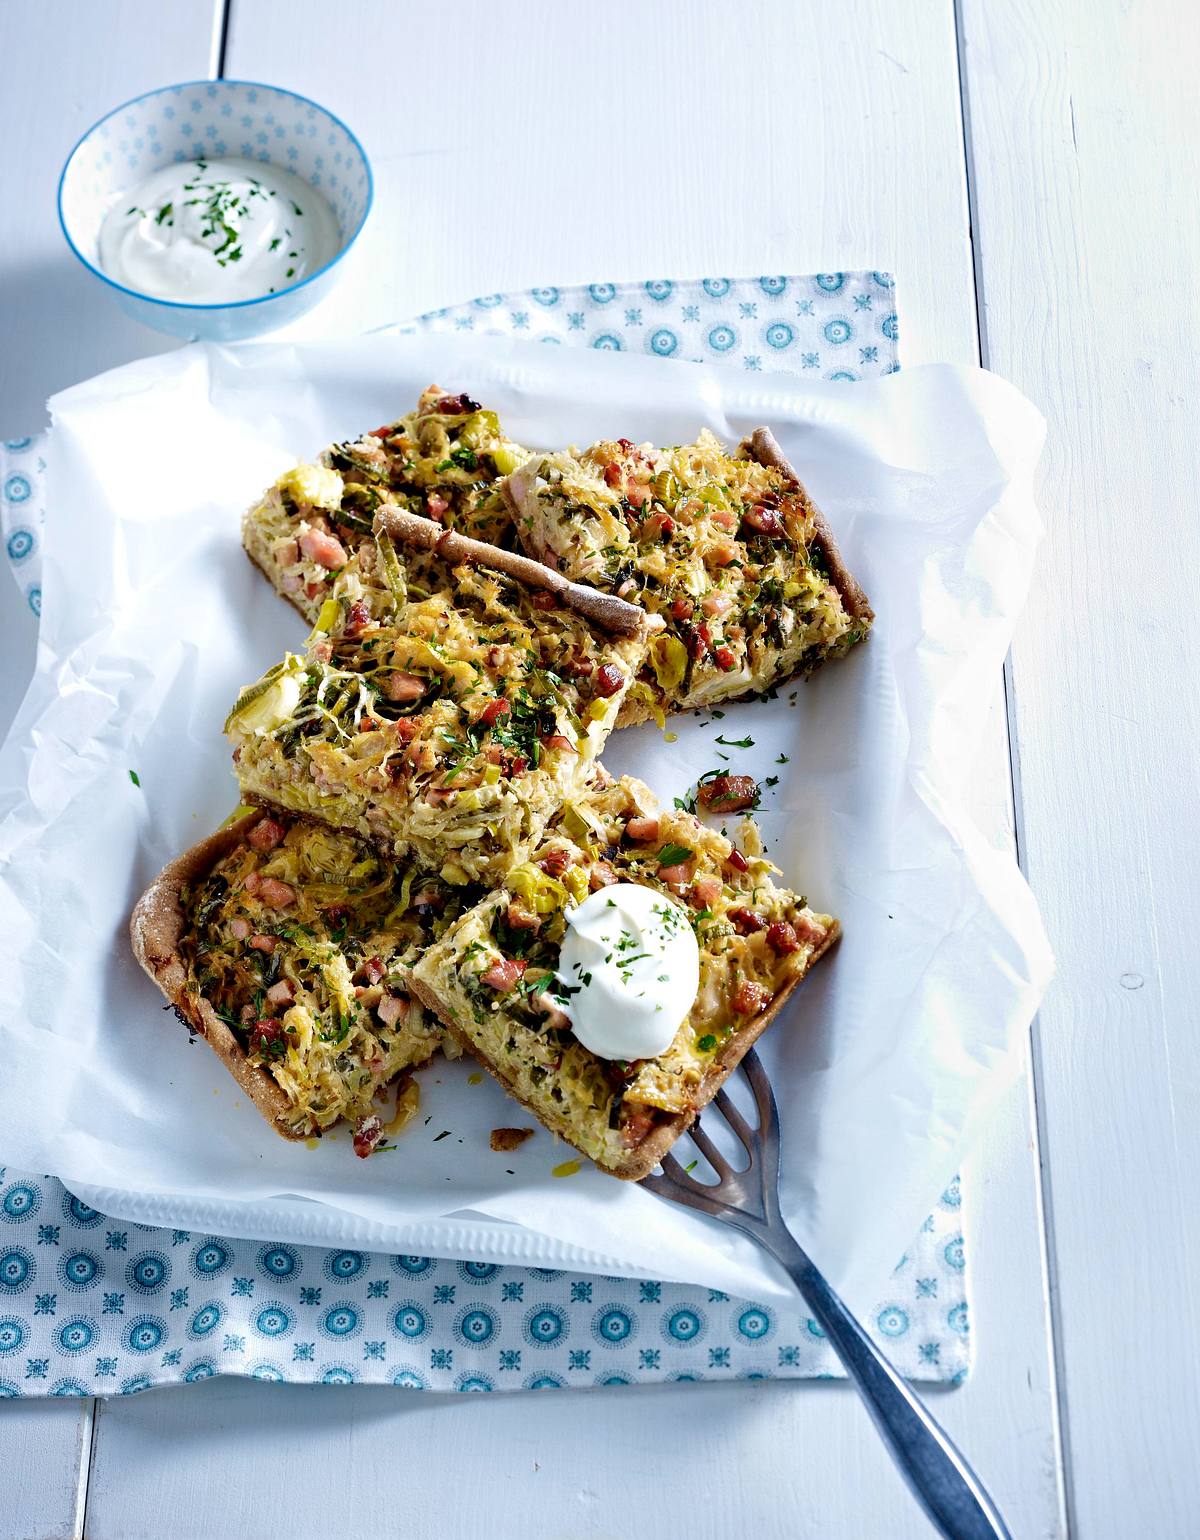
(444,461)
(498,980)
(287,947)
(448,724)
(727,548)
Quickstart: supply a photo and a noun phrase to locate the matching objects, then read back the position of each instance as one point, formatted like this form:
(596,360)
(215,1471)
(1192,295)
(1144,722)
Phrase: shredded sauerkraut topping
(301,941)
(443,461)
(723,548)
(442,711)
(498,966)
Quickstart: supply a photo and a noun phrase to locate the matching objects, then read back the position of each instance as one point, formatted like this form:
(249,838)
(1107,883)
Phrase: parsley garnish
(674,855)
(707,1043)
(736,743)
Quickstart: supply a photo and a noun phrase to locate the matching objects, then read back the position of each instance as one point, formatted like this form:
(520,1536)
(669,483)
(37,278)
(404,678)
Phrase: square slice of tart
(728,548)
(287,947)
(497,977)
(444,461)
(448,719)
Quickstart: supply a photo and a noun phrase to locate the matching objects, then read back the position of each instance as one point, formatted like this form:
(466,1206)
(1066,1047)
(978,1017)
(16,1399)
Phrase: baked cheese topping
(723,548)
(442,711)
(302,941)
(499,974)
(443,461)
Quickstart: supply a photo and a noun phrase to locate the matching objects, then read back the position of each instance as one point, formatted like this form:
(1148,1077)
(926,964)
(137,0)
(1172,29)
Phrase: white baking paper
(888,1057)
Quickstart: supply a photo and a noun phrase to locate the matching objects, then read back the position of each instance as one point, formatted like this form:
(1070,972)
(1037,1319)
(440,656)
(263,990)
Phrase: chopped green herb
(674,855)
(707,1043)
(133,776)
(736,743)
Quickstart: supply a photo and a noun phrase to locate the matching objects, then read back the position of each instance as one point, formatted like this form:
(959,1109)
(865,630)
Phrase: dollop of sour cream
(631,968)
(211,231)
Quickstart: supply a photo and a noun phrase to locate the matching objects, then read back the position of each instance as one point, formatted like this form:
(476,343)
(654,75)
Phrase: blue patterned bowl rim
(236,304)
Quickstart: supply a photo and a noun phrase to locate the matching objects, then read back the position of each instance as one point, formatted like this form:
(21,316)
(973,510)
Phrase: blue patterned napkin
(98,1306)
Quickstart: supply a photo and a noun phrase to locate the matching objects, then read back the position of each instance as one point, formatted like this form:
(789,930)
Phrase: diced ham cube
(262,943)
(723,553)
(609,680)
(750,998)
(642,830)
(503,974)
(436,504)
(613,474)
(282,993)
(265,1035)
(494,710)
(724,518)
(676,877)
(706,891)
(239,928)
(555,862)
(716,604)
(266,834)
(808,929)
(682,609)
(636,495)
(521,919)
(391,1008)
(275,893)
(556,1018)
(728,793)
(287,553)
(782,938)
(292,582)
(324,549)
(764,521)
(402,688)
(601,875)
(746,921)
(368,1131)
(358,618)
(659,526)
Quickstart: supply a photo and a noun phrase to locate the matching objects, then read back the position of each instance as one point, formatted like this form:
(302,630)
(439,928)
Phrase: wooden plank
(63,69)
(65,65)
(44,1450)
(815,171)
(1083,124)
(678,141)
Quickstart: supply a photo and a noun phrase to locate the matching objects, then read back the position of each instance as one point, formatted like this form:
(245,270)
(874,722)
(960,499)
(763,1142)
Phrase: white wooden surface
(826,136)
(1088,229)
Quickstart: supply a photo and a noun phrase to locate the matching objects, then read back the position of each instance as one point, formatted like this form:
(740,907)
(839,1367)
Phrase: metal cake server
(939,1477)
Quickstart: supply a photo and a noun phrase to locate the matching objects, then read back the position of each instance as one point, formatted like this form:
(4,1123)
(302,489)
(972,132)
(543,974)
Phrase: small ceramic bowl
(215,118)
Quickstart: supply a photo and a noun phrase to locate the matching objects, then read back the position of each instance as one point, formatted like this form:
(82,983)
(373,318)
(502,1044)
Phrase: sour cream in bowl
(219,210)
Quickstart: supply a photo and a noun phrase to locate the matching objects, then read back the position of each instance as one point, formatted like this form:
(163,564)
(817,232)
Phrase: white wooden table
(1028,169)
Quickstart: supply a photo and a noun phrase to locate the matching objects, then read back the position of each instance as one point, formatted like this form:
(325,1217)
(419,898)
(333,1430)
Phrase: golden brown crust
(156,929)
(505,1139)
(763,446)
(643,1158)
(254,562)
(604,610)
